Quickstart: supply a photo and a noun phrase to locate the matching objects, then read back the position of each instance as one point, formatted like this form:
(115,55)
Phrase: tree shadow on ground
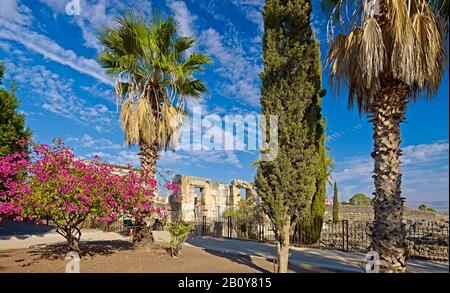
(300,268)
(247,261)
(88,249)
(240,259)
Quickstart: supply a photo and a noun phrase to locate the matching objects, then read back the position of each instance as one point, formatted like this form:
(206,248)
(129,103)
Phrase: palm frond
(430,54)
(169,126)
(129,122)
(146,120)
(406,41)
(330,6)
(335,60)
(372,54)
(182,44)
(403,43)
(195,62)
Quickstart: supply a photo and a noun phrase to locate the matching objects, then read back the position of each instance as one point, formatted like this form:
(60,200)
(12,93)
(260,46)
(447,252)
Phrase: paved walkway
(15,235)
(327,259)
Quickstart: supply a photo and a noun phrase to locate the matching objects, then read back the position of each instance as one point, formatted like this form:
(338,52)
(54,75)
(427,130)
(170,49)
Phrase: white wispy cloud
(122,158)
(425,173)
(100,90)
(252,9)
(93,143)
(94,14)
(185,19)
(196,158)
(425,152)
(334,135)
(234,66)
(16,25)
(49,49)
(57,95)
(15,12)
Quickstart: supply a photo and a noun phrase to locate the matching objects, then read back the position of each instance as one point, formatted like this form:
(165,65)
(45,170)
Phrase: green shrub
(360,199)
(424,208)
(179,231)
(246,216)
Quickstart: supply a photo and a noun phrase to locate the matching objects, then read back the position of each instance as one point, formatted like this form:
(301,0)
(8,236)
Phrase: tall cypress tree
(12,124)
(335,204)
(291,90)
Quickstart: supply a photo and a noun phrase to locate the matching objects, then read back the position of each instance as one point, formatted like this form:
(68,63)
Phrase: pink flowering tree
(50,183)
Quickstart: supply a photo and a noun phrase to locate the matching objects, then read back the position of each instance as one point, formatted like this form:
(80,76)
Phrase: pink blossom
(49,181)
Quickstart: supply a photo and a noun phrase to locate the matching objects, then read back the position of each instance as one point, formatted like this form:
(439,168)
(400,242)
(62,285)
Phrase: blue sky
(64,93)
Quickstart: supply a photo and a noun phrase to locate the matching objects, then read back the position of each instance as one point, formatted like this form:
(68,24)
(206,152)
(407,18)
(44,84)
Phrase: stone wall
(428,239)
(365,214)
(213,200)
(427,233)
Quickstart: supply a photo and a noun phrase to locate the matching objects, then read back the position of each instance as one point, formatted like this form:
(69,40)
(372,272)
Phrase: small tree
(425,208)
(335,204)
(12,124)
(360,199)
(54,184)
(179,231)
(246,216)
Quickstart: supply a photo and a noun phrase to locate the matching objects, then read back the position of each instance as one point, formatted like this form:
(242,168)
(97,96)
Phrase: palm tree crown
(401,40)
(154,77)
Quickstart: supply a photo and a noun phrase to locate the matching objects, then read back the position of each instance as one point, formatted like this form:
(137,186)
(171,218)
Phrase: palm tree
(386,55)
(154,78)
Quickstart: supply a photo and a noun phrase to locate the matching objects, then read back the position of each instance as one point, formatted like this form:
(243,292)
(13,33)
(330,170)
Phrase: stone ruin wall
(365,214)
(214,198)
(427,233)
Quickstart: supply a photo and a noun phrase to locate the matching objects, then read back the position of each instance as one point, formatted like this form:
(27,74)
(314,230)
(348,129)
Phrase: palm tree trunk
(388,232)
(149,156)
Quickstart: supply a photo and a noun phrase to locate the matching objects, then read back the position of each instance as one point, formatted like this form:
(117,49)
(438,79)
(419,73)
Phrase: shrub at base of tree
(179,231)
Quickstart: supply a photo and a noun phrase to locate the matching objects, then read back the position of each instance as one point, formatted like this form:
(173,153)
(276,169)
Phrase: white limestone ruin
(200,197)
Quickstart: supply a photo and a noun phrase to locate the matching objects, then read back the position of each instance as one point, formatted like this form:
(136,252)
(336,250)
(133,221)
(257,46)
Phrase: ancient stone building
(199,197)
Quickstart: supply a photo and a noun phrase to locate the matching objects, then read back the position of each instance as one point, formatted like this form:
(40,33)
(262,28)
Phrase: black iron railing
(425,239)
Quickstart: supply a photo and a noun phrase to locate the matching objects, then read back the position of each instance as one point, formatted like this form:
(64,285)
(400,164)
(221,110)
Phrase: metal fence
(425,239)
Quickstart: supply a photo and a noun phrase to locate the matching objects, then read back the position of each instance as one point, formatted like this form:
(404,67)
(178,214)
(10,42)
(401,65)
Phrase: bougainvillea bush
(49,182)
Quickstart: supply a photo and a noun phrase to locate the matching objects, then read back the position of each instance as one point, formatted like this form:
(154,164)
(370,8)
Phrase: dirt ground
(117,256)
